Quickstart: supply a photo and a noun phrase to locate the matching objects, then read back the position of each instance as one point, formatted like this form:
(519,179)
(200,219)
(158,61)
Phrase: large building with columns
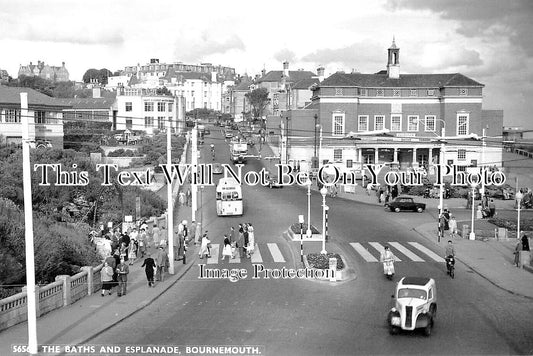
(407,120)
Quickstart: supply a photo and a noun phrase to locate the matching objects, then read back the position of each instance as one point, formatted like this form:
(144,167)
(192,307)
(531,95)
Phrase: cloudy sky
(490,41)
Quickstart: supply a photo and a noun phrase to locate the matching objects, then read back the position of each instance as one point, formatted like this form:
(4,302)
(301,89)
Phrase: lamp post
(301,221)
(472,233)
(308,183)
(316,126)
(324,191)
(320,146)
(519,197)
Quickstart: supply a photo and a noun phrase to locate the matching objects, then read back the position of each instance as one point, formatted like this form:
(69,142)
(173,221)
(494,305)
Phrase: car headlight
(395,320)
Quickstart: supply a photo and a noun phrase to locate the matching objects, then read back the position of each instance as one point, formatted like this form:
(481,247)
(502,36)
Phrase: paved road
(300,317)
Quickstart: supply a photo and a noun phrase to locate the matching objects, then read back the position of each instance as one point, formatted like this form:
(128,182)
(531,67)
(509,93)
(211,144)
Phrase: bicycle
(450,266)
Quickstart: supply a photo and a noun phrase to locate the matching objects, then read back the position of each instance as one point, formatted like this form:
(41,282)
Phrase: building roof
(173,73)
(11,96)
(294,76)
(305,83)
(88,103)
(243,86)
(381,79)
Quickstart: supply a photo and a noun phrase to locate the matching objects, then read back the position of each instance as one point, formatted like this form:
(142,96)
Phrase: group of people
(521,245)
(241,242)
(122,251)
(447,222)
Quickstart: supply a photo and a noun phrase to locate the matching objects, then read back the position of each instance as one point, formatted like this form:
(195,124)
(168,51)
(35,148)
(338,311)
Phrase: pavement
(93,315)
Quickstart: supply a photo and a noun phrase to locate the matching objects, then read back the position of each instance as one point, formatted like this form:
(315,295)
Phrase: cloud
(363,56)
(285,55)
(195,49)
(82,37)
(482,18)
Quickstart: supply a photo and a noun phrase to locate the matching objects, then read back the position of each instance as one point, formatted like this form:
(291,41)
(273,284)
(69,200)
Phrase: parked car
(217,168)
(272,181)
(228,134)
(405,203)
(415,305)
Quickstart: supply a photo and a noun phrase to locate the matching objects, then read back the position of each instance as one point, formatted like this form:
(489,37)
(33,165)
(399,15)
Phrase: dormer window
(338,91)
(463,91)
(396,92)
(380,92)
(413,92)
(431,92)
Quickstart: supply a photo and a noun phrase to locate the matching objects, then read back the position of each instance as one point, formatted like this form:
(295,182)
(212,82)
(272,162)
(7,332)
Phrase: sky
(489,41)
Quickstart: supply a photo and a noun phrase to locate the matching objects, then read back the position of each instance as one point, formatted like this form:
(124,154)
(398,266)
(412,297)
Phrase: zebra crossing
(269,252)
(413,252)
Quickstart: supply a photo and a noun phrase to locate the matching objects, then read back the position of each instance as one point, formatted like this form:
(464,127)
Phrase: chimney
(286,69)
(63,63)
(320,71)
(263,72)
(213,77)
(97,92)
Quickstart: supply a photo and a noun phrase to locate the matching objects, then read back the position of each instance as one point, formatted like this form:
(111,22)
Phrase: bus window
(234,195)
(218,195)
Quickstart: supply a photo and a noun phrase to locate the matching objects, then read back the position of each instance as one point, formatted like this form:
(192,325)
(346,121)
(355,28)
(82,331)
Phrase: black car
(405,203)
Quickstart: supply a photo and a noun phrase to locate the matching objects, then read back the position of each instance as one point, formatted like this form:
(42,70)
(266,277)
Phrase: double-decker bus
(229,197)
(238,151)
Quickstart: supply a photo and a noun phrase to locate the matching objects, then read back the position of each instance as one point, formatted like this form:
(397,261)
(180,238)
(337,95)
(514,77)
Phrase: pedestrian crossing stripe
(378,247)
(256,257)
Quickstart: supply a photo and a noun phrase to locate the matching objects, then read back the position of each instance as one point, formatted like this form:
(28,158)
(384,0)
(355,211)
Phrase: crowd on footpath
(123,249)
(241,241)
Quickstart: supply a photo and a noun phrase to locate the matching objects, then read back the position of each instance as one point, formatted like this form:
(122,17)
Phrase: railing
(523,153)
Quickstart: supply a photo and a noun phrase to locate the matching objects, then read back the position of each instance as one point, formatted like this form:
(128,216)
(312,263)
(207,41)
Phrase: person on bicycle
(212,147)
(450,252)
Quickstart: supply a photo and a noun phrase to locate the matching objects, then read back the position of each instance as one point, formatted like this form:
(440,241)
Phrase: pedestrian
(239,244)
(111,261)
(492,208)
(106,275)
(382,197)
(181,198)
(142,243)
(132,253)
(226,250)
(189,197)
(160,260)
(446,216)
(192,232)
(185,231)
(122,271)
(232,241)
(149,269)
(516,252)
(163,237)
(152,174)
(368,188)
(525,243)
(116,256)
(469,200)
(251,240)
(205,247)
(156,235)
(123,251)
(453,226)
(246,240)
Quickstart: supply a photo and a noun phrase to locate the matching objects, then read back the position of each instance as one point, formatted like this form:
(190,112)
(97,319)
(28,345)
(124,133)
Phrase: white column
(194,162)
(376,155)
(28,223)
(415,163)
(360,157)
(395,157)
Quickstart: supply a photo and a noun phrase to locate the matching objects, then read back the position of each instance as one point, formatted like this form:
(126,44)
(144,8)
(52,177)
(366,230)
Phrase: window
(463,91)
(148,121)
(205,93)
(380,92)
(413,92)
(396,92)
(337,155)
(148,106)
(160,106)
(12,115)
(192,92)
(338,124)
(338,91)
(430,123)
(129,106)
(396,123)
(349,163)
(40,117)
(431,92)
(160,122)
(363,92)
(363,123)
(379,122)
(129,124)
(461,155)
(170,107)
(412,123)
(462,124)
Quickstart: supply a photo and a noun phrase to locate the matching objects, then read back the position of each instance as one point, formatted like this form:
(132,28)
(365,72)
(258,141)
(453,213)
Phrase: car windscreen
(412,293)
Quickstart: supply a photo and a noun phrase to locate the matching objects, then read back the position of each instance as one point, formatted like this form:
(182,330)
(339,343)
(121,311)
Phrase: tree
(163,91)
(259,100)
(99,75)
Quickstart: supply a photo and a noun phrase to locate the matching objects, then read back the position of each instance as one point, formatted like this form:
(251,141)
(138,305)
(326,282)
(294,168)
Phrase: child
(453,226)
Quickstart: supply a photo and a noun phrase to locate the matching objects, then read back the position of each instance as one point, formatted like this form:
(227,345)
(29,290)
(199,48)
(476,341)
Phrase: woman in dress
(149,265)
(226,251)
(251,239)
(107,278)
(204,247)
(132,253)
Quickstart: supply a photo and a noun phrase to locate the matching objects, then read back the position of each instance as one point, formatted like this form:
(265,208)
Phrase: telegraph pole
(170,207)
(28,228)
(194,162)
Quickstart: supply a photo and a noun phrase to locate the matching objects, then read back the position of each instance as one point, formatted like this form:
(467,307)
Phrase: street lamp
(301,221)
(472,233)
(519,197)
(324,191)
(319,146)
(308,183)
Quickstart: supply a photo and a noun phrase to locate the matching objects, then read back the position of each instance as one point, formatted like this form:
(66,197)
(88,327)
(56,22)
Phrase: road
(303,317)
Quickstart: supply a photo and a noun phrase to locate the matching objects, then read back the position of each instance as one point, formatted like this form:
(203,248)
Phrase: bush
(296,228)
(511,224)
(320,261)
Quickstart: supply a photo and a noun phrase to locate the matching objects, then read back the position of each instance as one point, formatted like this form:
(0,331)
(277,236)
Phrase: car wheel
(393,330)
(397,210)
(419,209)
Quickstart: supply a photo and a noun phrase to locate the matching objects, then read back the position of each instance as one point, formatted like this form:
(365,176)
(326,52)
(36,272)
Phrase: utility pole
(482,164)
(194,162)
(28,228)
(170,206)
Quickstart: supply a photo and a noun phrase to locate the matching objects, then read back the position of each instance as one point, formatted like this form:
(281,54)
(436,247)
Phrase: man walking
(122,272)
(160,260)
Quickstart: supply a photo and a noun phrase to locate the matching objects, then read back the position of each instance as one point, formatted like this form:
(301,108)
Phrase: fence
(64,291)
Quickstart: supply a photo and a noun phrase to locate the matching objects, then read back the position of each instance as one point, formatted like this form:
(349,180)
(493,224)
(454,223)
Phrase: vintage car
(272,181)
(415,305)
(217,168)
(405,203)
